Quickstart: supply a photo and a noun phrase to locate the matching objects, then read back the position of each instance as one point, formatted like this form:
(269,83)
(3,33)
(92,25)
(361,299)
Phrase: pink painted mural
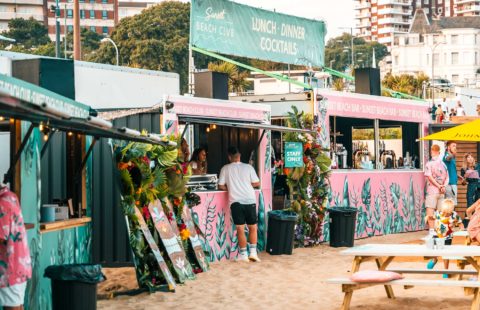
(214,220)
(387,202)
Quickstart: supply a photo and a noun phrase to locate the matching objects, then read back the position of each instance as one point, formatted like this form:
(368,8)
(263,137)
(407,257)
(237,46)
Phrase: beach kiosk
(215,125)
(47,139)
(377,161)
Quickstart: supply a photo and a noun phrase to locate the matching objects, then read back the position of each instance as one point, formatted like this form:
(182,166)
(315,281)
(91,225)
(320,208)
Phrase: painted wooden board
(156,252)
(194,238)
(174,250)
(174,223)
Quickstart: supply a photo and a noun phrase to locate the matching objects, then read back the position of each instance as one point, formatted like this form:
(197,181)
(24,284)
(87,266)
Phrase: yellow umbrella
(465,132)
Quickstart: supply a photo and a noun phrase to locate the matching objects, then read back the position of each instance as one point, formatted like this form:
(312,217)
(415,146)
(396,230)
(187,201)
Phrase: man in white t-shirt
(239,180)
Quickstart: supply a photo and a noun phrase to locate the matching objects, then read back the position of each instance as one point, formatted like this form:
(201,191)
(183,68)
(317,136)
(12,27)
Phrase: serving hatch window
(61,174)
(215,139)
(373,144)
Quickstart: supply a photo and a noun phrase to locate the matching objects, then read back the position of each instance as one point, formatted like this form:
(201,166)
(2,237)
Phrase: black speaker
(210,84)
(56,75)
(367,81)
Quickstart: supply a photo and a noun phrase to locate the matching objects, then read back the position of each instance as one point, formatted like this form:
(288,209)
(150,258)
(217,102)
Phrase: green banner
(235,29)
(293,154)
(36,95)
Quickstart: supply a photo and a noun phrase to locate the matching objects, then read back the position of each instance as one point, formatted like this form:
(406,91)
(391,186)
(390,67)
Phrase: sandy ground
(284,282)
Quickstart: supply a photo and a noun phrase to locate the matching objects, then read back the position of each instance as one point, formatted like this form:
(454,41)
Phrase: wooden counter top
(67,224)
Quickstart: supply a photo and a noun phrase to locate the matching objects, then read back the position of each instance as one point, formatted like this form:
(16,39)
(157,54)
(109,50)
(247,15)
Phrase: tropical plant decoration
(147,173)
(308,185)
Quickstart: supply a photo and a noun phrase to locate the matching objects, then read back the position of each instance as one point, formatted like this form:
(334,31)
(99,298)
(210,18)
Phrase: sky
(336,13)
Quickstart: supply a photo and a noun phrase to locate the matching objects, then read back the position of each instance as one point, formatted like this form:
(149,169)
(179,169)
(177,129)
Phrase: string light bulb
(45,137)
(214,126)
(208,129)
(2,118)
(40,127)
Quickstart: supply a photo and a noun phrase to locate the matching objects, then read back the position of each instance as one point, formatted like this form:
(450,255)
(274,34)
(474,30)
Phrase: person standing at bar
(450,161)
(240,179)
(471,174)
(15,261)
(437,179)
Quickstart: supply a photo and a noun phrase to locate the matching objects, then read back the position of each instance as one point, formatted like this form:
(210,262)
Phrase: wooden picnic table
(384,254)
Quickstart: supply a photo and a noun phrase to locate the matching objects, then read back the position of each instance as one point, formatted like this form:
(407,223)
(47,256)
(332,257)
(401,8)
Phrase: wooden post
(77,49)
(382,265)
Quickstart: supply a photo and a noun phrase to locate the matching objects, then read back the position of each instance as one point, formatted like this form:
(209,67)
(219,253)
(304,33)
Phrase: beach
(284,282)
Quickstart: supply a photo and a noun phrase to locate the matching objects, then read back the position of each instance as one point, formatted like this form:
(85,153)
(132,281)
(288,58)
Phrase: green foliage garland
(308,185)
(147,173)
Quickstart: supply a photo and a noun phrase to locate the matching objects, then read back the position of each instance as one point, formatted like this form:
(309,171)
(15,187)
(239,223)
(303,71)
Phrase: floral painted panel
(219,235)
(387,203)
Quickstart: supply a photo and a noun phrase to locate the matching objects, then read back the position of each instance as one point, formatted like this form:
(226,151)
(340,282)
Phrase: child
(474,224)
(445,220)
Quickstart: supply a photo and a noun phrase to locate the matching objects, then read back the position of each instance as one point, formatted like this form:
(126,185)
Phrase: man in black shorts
(239,180)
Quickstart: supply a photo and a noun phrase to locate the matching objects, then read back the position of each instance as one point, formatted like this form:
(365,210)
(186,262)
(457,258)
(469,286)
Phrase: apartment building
(448,46)
(382,20)
(100,16)
(127,8)
(10,9)
(467,7)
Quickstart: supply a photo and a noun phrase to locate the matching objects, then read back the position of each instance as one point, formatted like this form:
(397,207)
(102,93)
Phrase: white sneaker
(254,258)
(243,259)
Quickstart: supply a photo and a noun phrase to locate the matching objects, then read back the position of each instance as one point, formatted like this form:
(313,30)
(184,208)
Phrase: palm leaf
(167,158)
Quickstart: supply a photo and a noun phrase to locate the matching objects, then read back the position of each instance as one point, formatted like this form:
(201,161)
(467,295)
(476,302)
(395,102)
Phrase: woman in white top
(460,109)
(198,162)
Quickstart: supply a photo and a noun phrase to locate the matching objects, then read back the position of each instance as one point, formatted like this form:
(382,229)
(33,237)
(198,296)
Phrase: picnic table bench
(384,254)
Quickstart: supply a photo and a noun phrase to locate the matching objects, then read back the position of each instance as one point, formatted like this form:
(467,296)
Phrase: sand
(283,282)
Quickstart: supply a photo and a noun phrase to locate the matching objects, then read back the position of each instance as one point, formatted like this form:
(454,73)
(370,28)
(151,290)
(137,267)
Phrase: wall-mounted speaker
(367,81)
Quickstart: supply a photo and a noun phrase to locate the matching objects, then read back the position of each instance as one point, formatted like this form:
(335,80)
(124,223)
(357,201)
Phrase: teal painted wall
(59,247)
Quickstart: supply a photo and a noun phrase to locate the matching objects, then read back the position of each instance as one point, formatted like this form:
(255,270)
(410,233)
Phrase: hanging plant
(308,185)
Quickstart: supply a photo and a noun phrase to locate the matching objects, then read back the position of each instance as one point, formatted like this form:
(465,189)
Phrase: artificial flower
(177,201)
(122,166)
(184,234)
(146,160)
(146,213)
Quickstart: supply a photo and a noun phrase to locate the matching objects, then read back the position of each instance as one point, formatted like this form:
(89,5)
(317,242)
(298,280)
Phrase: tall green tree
(156,39)
(27,32)
(31,37)
(338,52)
(90,42)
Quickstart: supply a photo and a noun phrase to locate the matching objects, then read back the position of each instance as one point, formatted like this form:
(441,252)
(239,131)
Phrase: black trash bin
(74,287)
(281,230)
(342,226)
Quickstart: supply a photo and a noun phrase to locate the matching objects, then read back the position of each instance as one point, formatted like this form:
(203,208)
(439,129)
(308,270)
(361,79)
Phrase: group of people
(442,114)
(442,191)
